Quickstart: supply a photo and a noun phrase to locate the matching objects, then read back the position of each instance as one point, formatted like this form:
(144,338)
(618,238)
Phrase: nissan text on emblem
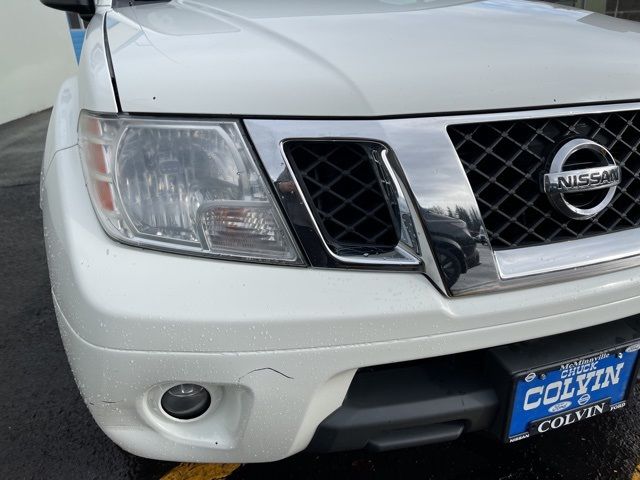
(582,179)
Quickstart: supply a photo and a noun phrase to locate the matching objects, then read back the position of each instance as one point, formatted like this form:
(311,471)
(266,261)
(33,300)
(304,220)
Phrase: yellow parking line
(201,471)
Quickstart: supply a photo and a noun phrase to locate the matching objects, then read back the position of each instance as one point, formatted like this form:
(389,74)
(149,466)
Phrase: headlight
(187,186)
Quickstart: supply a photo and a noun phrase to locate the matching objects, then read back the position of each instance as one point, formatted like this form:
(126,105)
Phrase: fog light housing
(186,401)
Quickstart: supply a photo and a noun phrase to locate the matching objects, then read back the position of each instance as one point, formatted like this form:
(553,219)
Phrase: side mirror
(83,7)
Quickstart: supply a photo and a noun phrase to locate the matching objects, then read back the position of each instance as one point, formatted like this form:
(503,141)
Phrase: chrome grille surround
(433,179)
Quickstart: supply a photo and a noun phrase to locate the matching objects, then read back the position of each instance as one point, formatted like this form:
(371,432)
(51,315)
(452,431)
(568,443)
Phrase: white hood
(359,58)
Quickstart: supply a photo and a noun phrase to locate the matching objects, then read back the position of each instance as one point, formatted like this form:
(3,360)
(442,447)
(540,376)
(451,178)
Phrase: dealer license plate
(576,390)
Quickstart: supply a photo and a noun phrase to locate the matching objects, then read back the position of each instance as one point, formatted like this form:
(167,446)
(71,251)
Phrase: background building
(36,55)
(629,9)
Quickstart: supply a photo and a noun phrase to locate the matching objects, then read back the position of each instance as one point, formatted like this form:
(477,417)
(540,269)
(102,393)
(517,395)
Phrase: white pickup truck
(278,225)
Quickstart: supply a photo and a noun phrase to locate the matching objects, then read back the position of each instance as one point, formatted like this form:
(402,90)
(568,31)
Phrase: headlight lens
(190,186)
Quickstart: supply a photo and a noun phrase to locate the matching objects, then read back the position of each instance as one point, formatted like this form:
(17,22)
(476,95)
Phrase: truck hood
(359,58)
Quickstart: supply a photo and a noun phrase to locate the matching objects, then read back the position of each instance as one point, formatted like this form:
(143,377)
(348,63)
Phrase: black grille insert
(506,160)
(350,197)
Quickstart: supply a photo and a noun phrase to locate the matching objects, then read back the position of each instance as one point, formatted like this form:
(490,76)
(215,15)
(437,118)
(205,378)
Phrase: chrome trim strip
(527,261)
(542,113)
(437,183)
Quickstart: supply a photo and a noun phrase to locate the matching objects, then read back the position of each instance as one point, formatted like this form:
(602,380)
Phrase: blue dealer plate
(557,396)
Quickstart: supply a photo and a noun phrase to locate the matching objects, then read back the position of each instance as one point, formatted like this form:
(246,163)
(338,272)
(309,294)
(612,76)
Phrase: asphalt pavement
(47,433)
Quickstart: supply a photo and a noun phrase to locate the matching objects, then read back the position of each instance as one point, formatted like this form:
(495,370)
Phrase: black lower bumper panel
(437,400)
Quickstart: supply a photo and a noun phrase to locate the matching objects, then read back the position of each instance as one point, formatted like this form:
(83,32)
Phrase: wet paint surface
(47,432)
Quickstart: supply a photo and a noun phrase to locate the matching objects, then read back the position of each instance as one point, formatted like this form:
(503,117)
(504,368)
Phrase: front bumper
(437,399)
(284,342)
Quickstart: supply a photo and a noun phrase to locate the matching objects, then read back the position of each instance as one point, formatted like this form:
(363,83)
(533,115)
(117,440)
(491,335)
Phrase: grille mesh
(505,162)
(348,193)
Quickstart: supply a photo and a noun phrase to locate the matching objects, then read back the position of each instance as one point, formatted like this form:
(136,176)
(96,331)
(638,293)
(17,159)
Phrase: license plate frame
(606,358)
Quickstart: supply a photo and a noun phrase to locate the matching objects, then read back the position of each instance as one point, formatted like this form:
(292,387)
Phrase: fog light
(186,401)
